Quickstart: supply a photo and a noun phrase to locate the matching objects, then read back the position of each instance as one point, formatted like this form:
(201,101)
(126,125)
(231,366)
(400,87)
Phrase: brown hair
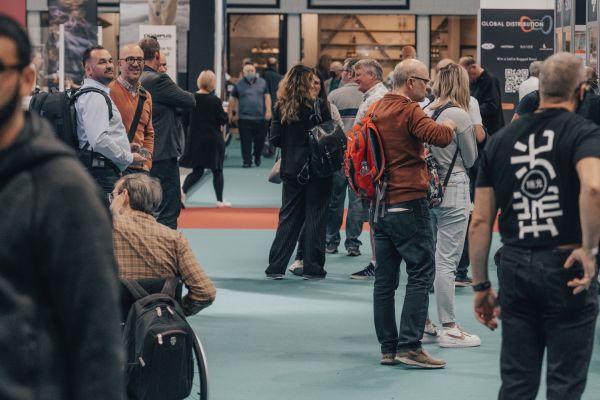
(293,91)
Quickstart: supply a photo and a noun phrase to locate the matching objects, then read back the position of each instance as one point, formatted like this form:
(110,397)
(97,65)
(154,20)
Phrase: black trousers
(539,312)
(167,171)
(252,132)
(196,175)
(301,205)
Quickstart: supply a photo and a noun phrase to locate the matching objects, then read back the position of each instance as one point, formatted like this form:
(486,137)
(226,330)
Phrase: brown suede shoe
(419,358)
(388,359)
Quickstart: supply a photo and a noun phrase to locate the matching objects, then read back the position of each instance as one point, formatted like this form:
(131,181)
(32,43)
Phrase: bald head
(560,76)
(408,52)
(131,62)
(405,70)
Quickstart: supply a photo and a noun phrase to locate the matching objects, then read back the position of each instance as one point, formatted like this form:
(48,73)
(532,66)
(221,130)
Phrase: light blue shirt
(107,137)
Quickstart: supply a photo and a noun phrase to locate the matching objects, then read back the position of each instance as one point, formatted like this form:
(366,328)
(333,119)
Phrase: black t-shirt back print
(531,166)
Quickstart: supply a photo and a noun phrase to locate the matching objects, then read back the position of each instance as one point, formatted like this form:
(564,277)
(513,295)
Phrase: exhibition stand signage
(510,41)
(167,38)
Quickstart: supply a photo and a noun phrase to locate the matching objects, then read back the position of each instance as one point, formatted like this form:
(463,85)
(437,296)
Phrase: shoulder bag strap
(436,114)
(136,290)
(137,115)
(91,89)
(170,286)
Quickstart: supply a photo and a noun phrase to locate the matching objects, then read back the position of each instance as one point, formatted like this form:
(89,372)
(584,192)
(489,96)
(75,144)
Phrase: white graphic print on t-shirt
(537,198)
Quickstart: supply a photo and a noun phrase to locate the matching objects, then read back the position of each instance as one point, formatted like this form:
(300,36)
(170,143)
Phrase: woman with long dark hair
(302,202)
(205,145)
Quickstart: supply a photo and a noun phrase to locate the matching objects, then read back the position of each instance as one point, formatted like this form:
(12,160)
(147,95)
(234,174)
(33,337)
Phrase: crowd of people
(62,250)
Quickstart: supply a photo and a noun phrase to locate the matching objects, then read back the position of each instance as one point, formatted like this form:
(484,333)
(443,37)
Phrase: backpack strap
(138,113)
(436,114)
(170,286)
(95,90)
(136,290)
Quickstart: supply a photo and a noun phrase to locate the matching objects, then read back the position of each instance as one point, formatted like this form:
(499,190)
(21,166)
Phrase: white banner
(167,38)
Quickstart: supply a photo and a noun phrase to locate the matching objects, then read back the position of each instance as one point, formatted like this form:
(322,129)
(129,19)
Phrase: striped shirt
(347,99)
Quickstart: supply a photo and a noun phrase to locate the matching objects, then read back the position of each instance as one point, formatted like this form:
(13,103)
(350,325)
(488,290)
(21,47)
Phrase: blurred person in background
(205,145)
(335,76)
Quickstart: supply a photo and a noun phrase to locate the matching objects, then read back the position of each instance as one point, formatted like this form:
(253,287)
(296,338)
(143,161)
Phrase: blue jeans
(402,235)
(167,171)
(539,312)
(335,214)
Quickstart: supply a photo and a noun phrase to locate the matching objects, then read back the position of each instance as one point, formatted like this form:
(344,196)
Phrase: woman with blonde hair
(303,202)
(205,146)
(451,218)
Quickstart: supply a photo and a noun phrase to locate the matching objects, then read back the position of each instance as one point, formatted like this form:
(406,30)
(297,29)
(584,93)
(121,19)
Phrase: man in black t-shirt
(543,173)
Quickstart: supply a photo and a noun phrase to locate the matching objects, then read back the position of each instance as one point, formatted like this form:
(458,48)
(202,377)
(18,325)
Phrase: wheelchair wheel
(200,385)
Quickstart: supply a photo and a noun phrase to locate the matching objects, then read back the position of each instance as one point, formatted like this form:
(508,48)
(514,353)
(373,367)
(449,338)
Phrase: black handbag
(327,143)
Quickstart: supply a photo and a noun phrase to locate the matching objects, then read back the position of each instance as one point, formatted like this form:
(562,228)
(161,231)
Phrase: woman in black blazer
(293,117)
(205,146)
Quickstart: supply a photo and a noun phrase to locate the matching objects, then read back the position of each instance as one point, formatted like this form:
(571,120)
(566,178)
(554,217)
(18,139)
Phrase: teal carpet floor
(299,340)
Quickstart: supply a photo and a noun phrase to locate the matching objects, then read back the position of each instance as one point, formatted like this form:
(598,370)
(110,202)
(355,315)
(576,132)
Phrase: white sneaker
(456,337)
(431,333)
(223,204)
(297,267)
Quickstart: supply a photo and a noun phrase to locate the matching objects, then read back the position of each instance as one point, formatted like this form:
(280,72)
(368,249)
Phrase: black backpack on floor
(159,345)
(59,109)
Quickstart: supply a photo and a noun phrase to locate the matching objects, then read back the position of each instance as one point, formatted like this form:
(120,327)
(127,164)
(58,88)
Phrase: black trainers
(313,277)
(463,281)
(366,274)
(275,277)
(257,161)
(353,252)
(331,248)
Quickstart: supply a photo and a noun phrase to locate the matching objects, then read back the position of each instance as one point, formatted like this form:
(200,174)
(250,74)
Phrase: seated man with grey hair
(145,248)
(543,172)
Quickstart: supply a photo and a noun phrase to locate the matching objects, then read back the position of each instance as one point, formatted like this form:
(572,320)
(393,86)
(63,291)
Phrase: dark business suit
(303,205)
(168,138)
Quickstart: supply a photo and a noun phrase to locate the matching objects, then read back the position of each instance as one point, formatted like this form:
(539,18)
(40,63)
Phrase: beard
(7,112)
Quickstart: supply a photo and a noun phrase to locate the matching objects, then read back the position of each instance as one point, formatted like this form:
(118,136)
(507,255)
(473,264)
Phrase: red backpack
(364,160)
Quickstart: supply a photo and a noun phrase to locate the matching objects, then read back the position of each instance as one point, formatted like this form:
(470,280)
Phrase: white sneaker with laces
(223,204)
(431,333)
(457,338)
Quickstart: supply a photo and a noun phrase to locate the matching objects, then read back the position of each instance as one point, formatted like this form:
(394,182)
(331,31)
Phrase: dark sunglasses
(16,67)
(131,60)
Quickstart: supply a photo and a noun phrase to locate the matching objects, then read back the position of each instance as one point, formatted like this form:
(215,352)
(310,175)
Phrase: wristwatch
(480,287)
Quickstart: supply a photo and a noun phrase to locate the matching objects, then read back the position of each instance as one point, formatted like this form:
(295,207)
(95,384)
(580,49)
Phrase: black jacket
(292,138)
(59,313)
(272,78)
(486,89)
(166,98)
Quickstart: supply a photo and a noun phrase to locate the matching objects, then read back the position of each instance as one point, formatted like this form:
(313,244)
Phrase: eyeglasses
(111,196)
(425,81)
(132,60)
(16,67)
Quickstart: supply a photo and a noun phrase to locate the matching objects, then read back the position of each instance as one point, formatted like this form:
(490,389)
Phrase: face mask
(250,76)
(8,110)
(332,74)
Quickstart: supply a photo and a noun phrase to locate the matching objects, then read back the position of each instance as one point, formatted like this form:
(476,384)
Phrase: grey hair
(534,68)
(560,75)
(403,71)
(371,66)
(145,193)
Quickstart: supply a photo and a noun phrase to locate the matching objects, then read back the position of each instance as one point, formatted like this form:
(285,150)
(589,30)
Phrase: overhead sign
(167,38)
(510,41)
